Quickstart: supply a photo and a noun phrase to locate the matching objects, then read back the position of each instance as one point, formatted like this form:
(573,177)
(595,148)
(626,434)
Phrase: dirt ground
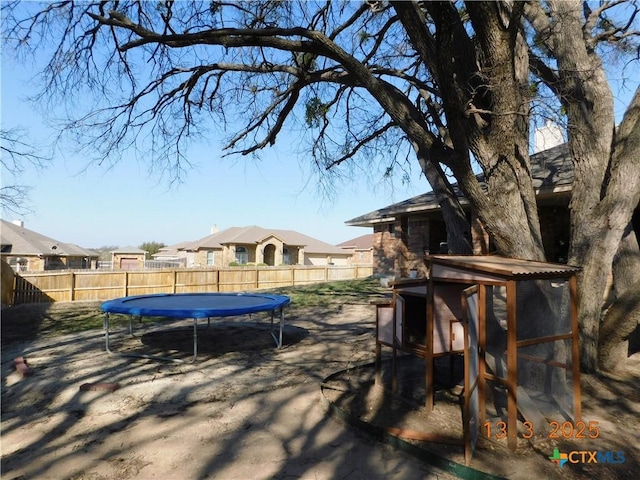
(246,410)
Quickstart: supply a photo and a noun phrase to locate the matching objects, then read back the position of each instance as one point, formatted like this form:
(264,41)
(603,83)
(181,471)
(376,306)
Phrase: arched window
(242,256)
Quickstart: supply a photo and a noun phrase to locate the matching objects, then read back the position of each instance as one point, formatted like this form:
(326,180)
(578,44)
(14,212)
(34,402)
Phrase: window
(242,256)
(286,259)
(404,230)
(211,259)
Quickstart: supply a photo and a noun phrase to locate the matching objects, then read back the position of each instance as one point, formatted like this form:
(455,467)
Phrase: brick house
(255,245)
(360,248)
(26,250)
(404,232)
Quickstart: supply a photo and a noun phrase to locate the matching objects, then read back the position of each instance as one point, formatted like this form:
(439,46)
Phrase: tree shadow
(244,412)
(210,419)
(218,339)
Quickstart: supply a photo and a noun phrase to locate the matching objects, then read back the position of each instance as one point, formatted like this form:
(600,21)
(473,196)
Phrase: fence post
(126,283)
(175,281)
(72,279)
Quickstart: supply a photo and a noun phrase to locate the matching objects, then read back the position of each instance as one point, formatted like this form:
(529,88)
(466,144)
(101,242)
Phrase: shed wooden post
(575,349)
(429,381)
(482,348)
(512,367)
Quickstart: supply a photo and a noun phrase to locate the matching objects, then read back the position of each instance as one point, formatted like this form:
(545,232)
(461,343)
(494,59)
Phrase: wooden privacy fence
(88,285)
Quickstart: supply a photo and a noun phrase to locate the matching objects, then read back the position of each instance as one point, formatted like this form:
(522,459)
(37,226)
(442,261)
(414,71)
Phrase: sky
(125,205)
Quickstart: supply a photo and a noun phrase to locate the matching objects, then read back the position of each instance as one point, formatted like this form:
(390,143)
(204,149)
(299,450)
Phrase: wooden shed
(518,323)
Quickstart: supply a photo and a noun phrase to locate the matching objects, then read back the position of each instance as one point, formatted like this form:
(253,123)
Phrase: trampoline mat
(195,305)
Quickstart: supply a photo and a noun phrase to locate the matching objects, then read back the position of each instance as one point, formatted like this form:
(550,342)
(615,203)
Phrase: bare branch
(16,154)
(363,141)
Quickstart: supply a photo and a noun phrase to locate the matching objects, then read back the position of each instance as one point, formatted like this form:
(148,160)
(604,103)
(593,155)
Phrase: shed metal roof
(503,266)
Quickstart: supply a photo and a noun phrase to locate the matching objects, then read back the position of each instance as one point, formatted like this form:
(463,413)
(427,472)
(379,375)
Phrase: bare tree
(448,86)
(606,188)
(15,155)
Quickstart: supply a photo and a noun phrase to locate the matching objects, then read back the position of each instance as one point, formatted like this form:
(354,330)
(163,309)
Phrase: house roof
(254,234)
(363,242)
(17,240)
(171,250)
(551,171)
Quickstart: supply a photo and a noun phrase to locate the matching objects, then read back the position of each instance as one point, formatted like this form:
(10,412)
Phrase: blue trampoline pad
(195,305)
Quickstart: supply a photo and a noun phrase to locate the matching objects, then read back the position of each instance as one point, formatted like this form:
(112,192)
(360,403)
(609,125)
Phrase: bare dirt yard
(246,410)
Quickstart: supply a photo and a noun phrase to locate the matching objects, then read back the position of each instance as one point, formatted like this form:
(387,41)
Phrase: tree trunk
(605,186)
(626,263)
(486,103)
(502,146)
(623,317)
(458,228)
(598,226)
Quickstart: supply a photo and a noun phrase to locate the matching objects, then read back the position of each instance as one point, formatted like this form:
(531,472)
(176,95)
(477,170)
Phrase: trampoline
(195,306)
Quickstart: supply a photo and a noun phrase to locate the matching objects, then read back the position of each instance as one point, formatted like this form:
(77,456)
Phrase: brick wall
(384,250)
(400,246)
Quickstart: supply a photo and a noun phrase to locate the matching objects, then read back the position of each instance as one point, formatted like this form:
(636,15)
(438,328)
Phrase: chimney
(19,223)
(214,229)
(547,137)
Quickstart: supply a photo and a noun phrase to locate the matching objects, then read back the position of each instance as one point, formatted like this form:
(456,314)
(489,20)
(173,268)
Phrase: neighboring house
(170,257)
(172,252)
(128,258)
(404,232)
(26,250)
(257,245)
(360,248)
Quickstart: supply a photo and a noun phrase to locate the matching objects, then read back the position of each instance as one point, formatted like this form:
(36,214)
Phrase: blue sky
(125,205)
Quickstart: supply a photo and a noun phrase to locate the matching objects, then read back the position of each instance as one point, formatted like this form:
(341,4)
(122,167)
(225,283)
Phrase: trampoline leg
(278,339)
(281,326)
(150,357)
(195,340)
